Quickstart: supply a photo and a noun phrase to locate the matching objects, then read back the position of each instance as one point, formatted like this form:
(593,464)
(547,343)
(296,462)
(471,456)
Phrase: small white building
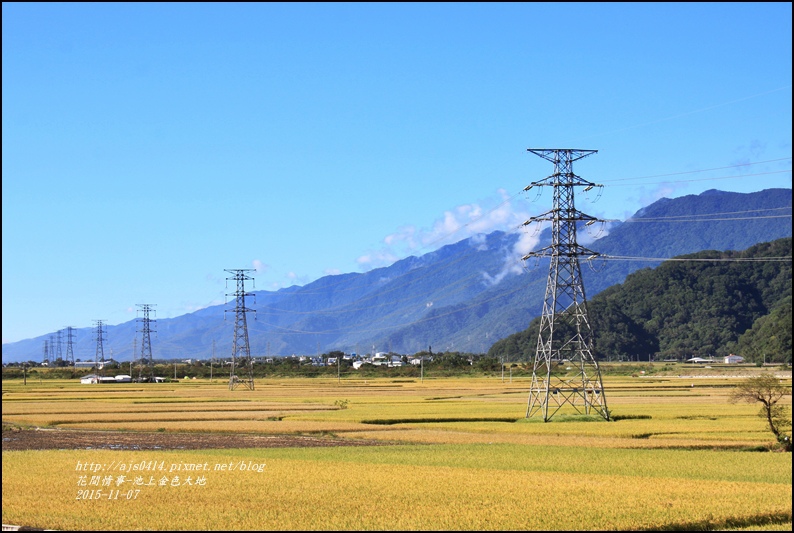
(89,364)
(733,359)
(380,359)
(699,360)
(91,379)
(123,378)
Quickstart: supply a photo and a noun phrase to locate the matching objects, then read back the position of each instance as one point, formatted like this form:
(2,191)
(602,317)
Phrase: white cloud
(527,241)
(479,242)
(376,259)
(295,279)
(649,196)
(500,212)
(290,279)
(259,266)
(592,233)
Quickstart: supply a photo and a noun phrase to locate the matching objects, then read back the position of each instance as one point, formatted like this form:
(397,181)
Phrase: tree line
(683,309)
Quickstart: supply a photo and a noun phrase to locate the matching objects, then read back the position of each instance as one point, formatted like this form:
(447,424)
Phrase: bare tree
(767,390)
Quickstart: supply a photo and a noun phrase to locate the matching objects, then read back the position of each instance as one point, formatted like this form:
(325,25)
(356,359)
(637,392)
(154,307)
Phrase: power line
(680,115)
(697,171)
(403,325)
(682,218)
(446,236)
(722,213)
(707,179)
(659,220)
(341,310)
(783,259)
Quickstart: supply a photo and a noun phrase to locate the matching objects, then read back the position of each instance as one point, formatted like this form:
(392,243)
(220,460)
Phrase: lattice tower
(69,345)
(147,359)
(242,371)
(58,345)
(99,336)
(565,336)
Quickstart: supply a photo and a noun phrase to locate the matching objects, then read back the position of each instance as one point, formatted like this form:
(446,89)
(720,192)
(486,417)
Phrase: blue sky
(149,147)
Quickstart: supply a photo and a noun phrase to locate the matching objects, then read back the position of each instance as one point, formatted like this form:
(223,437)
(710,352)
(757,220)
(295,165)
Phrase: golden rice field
(459,456)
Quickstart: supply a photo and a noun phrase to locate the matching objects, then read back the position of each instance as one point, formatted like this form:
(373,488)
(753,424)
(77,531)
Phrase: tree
(767,390)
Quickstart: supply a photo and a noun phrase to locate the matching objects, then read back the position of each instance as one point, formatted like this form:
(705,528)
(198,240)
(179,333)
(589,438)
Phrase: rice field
(460,456)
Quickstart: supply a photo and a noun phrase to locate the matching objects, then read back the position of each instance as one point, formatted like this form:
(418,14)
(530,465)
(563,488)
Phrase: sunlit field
(456,453)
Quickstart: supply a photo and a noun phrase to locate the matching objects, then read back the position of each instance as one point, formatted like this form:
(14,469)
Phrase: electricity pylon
(99,357)
(69,343)
(565,335)
(58,341)
(146,342)
(241,349)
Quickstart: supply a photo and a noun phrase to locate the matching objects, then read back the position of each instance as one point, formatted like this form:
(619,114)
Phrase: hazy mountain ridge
(447,298)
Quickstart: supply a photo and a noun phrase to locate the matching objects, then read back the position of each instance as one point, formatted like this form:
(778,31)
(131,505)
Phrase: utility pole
(99,356)
(134,349)
(565,332)
(213,358)
(241,349)
(146,341)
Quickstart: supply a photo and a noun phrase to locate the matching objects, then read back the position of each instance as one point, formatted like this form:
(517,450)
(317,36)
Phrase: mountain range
(463,297)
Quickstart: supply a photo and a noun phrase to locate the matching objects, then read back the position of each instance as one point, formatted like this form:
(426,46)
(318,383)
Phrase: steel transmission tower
(46,360)
(565,337)
(146,341)
(69,343)
(241,349)
(100,350)
(58,345)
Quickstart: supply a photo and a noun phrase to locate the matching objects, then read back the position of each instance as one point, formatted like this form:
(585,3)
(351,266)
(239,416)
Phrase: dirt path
(68,439)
